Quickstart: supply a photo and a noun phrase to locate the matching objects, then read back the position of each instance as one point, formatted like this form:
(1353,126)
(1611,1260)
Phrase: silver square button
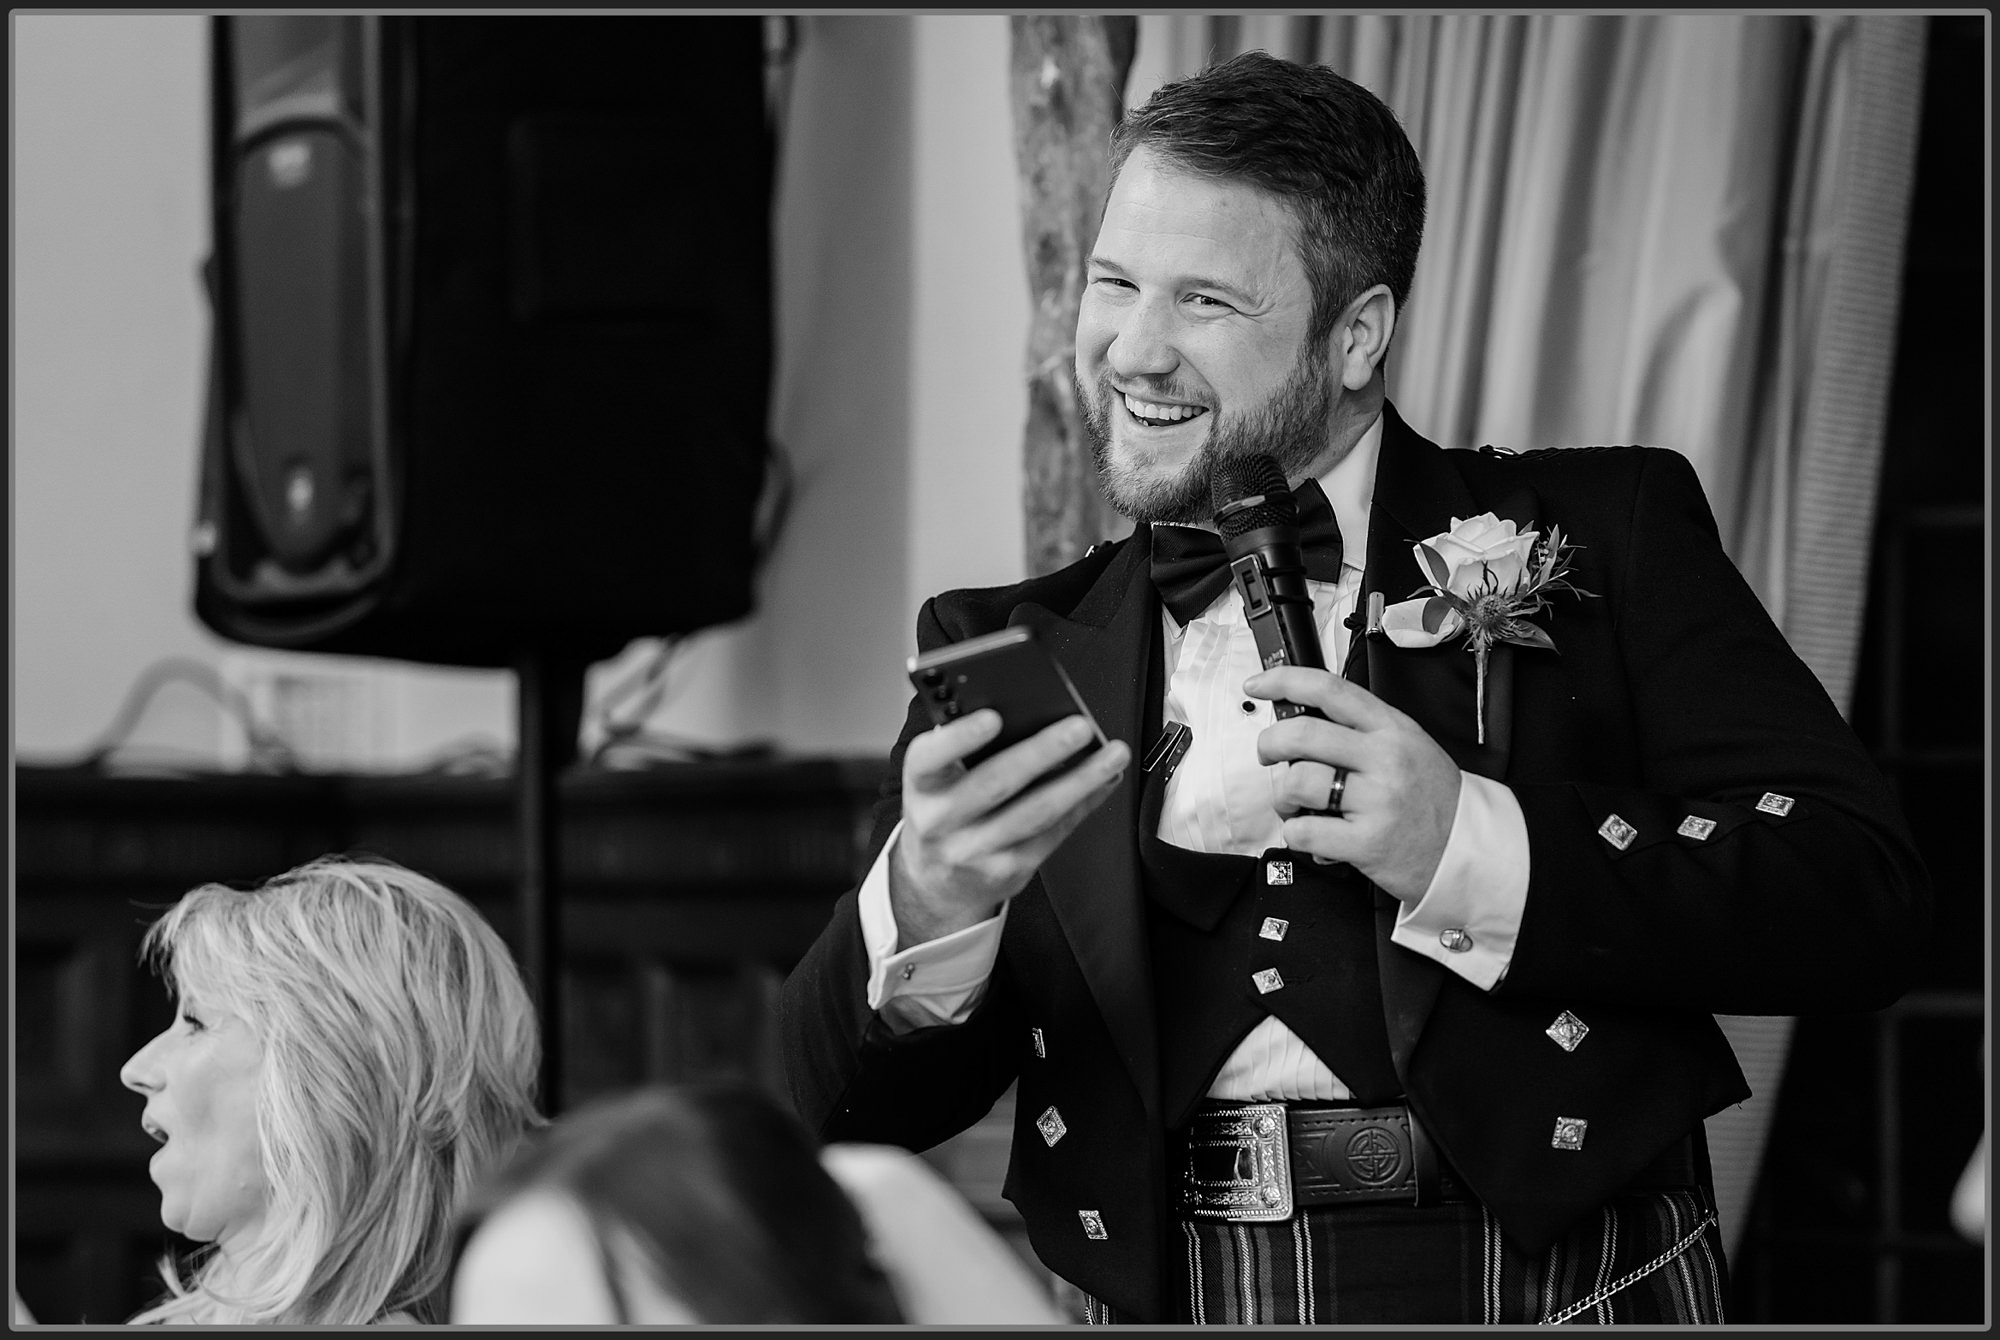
(1617,832)
(1050,1124)
(1567,1030)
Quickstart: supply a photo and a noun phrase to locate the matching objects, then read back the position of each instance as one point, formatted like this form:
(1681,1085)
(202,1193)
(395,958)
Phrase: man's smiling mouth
(1156,415)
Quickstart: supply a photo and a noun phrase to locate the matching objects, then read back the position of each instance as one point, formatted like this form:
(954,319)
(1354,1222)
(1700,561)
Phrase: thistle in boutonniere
(1486,580)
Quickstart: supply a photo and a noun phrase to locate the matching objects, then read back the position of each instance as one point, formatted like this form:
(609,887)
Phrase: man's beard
(1292,430)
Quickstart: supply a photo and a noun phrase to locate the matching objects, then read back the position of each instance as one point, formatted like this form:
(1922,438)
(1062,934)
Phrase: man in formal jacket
(1399,1011)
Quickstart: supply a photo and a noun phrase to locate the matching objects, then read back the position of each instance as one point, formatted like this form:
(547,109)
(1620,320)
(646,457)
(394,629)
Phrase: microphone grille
(1257,479)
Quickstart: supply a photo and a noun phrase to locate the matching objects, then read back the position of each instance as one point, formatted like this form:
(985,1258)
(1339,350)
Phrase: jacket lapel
(1092,879)
(1417,493)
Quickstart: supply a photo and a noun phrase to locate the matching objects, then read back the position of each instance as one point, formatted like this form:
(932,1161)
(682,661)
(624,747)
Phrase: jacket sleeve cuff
(1470,916)
(938,982)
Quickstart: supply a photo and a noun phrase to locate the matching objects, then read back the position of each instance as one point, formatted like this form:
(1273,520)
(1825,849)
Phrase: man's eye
(194,1025)
(1203,300)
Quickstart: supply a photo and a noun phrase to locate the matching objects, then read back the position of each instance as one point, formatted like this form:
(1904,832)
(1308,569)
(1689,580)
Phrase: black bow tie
(1191,569)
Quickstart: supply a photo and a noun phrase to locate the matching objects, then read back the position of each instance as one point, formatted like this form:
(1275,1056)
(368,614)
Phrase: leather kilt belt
(1255,1161)
(1261,1161)
(1265,1161)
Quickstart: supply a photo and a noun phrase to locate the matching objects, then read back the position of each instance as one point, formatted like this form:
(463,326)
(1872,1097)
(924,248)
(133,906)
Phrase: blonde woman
(352,1049)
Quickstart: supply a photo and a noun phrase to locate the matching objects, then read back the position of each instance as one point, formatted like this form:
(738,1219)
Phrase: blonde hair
(400,1058)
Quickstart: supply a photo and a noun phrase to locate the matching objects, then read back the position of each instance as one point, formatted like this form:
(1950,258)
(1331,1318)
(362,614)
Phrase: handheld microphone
(1259,521)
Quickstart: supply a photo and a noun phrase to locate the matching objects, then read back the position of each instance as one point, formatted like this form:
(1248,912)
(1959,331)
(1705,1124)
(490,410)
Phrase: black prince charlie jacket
(1672,694)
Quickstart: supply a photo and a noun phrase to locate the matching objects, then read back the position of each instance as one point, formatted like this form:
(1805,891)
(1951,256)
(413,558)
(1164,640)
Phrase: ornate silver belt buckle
(1258,1131)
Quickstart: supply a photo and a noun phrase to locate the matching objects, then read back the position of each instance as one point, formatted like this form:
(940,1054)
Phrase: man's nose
(1143,345)
(141,1071)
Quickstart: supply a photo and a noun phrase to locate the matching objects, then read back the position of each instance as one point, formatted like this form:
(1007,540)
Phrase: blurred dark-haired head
(691,1203)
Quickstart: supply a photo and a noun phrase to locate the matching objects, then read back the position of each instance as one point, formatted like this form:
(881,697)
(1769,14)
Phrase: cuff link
(1269,980)
(1567,1030)
(1050,1124)
(1773,803)
(1569,1133)
(1455,939)
(1093,1225)
(1274,928)
(1696,827)
(1277,873)
(909,971)
(1617,832)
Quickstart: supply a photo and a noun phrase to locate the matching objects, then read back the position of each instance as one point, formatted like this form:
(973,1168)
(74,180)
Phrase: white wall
(108,157)
(969,392)
(902,310)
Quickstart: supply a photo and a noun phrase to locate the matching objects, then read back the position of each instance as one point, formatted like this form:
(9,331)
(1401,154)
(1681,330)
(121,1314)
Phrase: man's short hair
(1330,149)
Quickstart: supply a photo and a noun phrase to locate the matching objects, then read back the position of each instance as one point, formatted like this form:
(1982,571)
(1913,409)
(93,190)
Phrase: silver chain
(1594,1299)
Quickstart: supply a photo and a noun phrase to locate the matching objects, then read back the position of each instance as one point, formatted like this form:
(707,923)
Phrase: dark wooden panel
(87,1241)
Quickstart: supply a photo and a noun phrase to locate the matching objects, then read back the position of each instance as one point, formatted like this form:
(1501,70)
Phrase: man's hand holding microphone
(1362,782)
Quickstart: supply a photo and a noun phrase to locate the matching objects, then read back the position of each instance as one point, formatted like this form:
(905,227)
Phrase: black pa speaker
(492,332)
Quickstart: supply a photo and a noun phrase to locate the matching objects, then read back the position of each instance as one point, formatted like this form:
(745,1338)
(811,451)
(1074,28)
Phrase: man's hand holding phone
(972,839)
(1008,773)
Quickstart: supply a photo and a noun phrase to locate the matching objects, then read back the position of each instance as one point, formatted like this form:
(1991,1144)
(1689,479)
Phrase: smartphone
(1013,673)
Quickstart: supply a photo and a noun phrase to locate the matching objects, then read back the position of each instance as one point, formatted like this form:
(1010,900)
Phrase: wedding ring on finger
(1335,793)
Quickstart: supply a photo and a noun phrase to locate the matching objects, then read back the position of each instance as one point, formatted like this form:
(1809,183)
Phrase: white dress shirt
(1220,799)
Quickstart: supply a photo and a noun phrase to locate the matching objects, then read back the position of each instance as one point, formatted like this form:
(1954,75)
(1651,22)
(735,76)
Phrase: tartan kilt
(1649,1258)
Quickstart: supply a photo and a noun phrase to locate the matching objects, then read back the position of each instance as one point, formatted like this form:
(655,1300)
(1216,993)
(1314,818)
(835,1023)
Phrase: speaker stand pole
(549,710)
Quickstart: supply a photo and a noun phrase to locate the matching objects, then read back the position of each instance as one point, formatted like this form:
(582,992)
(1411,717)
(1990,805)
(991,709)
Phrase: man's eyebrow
(1229,290)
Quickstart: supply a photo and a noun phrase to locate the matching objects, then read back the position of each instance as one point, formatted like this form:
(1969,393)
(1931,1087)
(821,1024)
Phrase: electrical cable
(268,751)
(648,680)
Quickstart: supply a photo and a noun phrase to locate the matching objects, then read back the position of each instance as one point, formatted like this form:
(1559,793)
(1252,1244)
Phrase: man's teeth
(154,1131)
(1142,409)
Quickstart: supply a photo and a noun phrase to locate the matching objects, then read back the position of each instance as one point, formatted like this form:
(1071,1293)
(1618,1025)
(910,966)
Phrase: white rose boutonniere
(1485,580)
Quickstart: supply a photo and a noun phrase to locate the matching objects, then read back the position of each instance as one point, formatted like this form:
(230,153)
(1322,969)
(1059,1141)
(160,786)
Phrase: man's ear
(1361,337)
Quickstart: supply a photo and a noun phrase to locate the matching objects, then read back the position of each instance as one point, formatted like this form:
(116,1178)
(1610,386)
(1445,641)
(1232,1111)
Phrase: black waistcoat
(1235,938)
